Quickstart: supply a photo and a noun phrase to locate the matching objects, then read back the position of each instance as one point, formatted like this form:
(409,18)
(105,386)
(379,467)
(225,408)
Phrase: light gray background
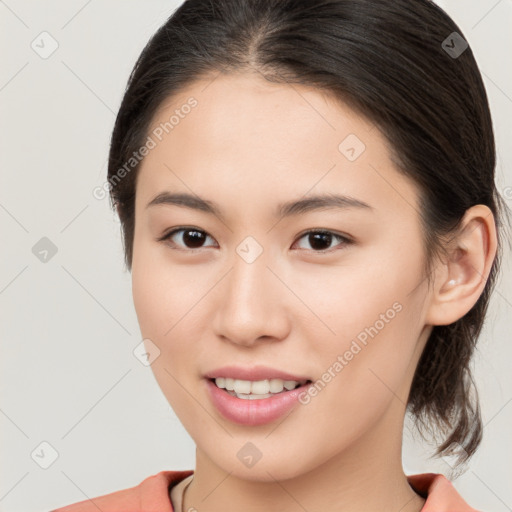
(68,326)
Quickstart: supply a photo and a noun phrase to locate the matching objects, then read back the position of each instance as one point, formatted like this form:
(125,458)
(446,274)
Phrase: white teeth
(290,384)
(260,387)
(250,397)
(276,385)
(255,389)
(242,386)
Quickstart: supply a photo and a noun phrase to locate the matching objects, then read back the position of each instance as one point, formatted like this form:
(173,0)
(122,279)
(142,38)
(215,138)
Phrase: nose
(251,304)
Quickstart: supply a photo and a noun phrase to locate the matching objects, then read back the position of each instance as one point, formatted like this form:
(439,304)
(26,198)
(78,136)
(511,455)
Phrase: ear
(460,279)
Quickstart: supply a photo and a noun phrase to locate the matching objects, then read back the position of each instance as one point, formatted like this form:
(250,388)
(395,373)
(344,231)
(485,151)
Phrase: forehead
(247,136)
(241,114)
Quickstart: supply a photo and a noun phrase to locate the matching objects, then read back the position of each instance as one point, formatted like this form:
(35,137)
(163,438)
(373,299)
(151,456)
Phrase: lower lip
(253,412)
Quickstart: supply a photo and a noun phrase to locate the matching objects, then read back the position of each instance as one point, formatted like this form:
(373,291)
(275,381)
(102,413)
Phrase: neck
(367,476)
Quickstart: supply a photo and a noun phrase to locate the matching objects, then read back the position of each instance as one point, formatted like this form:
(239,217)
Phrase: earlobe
(461,278)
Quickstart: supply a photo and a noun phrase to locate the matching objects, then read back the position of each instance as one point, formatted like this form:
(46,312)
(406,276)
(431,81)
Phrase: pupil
(194,241)
(315,237)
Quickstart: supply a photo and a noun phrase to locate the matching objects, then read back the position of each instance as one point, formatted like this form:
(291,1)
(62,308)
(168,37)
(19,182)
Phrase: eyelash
(344,239)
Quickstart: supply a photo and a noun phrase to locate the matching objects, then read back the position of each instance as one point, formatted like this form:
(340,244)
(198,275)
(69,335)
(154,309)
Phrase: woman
(306,191)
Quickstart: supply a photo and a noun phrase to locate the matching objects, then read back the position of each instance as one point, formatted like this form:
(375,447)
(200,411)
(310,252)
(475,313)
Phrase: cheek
(364,380)
(169,301)
(146,297)
(370,357)
(356,299)
(159,291)
(158,295)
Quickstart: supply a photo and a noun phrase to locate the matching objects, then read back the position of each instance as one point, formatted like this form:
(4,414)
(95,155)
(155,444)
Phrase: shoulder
(440,494)
(152,494)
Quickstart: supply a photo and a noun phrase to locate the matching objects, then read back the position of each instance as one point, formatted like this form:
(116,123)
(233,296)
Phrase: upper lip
(254,373)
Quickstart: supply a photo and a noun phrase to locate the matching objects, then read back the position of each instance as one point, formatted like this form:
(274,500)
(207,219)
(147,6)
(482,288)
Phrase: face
(251,286)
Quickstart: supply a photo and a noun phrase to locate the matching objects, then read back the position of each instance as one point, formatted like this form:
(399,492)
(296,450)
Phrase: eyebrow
(287,209)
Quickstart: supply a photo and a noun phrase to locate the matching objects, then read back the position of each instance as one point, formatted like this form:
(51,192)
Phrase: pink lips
(253,412)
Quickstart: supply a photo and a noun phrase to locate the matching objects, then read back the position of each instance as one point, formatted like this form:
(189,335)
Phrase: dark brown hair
(397,63)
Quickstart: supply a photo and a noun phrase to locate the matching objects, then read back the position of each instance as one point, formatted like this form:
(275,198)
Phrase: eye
(192,238)
(319,239)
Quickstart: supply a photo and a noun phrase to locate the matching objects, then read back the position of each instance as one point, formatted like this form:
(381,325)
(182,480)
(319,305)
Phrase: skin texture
(249,145)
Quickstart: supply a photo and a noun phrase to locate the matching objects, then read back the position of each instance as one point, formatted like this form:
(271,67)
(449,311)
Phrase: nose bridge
(250,270)
(248,280)
(247,307)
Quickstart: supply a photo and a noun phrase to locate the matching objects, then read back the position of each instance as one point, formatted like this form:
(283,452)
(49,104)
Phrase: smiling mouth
(256,390)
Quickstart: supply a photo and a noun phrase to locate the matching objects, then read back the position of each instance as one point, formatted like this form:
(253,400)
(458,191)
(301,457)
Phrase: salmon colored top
(153,495)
